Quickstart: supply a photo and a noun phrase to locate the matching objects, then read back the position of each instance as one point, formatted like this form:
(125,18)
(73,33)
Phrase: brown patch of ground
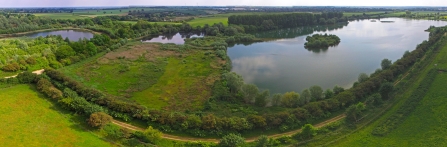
(147,50)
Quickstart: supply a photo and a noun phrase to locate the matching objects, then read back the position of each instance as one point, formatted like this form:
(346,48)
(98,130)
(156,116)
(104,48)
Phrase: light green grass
(361,13)
(210,20)
(159,23)
(60,15)
(29,119)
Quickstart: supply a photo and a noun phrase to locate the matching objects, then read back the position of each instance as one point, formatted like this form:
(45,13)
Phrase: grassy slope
(414,129)
(29,119)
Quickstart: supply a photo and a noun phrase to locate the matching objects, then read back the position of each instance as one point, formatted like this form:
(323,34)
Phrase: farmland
(28,118)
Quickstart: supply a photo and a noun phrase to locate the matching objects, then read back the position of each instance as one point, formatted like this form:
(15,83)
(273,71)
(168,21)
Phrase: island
(318,41)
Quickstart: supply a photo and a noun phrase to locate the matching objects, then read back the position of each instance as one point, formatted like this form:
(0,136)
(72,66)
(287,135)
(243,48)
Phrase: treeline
(275,21)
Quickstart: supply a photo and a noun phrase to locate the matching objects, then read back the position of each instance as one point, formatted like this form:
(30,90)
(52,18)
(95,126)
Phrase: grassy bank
(29,119)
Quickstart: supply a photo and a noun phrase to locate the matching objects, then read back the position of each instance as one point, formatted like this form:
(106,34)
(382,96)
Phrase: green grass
(60,15)
(424,127)
(159,23)
(361,13)
(201,21)
(29,119)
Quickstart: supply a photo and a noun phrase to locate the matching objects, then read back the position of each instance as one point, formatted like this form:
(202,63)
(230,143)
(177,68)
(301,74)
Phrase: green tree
(91,49)
(152,134)
(234,81)
(99,119)
(386,64)
(353,112)
(305,97)
(64,51)
(250,92)
(262,141)
(276,99)
(337,89)
(328,94)
(290,99)
(308,131)
(262,98)
(316,93)
(386,89)
(26,77)
(363,77)
(231,140)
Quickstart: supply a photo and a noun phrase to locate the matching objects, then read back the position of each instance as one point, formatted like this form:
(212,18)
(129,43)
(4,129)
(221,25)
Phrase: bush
(26,77)
(99,119)
(11,67)
(231,140)
(152,135)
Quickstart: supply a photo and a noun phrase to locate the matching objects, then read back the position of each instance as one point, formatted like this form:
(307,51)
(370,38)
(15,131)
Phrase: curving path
(38,72)
(252,139)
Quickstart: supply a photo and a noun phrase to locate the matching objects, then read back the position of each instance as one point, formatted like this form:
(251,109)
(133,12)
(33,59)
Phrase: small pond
(73,35)
(285,65)
(170,38)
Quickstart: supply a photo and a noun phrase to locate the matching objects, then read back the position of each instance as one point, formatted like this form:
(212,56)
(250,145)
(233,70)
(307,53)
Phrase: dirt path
(38,72)
(252,139)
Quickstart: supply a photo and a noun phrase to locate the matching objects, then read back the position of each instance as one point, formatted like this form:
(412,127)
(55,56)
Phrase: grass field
(60,15)
(155,78)
(424,127)
(159,23)
(29,119)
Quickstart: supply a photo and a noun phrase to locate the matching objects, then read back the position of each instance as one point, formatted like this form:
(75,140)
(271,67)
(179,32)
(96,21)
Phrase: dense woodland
(275,21)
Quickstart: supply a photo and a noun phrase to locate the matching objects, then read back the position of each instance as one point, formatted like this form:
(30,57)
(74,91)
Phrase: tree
(234,81)
(375,99)
(308,131)
(250,92)
(276,99)
(64,51)
(26,77)
(305,96)
(262,98)
(337,89)
(328,94)
(91,49)
(262,141)
(231,140)
(316,93)
(290,99)
(386,64)
(386,89)
(152,134)
(99,119)
(354,111)
(363,77)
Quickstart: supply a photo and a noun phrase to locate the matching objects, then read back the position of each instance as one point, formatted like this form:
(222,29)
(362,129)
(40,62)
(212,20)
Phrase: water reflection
(285,65)
(73,35)
(178,38)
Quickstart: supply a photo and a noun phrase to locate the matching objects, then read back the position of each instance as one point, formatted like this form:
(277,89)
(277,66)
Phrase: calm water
(285,65)
(170,38)
(73,35)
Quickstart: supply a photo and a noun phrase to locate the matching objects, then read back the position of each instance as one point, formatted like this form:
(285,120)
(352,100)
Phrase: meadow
(30,119)
(156,78)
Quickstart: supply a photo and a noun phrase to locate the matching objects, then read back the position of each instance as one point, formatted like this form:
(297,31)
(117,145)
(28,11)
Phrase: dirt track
(38,72)
(252,139)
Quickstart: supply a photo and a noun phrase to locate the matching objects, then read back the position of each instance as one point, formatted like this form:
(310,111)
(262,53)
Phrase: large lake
(285,65)
(73,35)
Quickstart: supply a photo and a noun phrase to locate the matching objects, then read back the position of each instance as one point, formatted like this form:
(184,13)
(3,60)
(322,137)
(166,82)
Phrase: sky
(78,3)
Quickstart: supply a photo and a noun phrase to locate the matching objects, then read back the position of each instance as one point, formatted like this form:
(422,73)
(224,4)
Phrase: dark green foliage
(99,119)
(64,51)
(307,131)
(318,41)
(386,63)
(354,112)
(231,140)
(26,77)
(262,141)
(386,89)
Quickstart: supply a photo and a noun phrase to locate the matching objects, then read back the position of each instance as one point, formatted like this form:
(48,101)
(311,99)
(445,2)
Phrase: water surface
(285,65)
(170,38)
(73,35)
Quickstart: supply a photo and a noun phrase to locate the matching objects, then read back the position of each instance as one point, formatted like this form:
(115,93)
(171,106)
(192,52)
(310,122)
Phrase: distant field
(201,21)
(361,13)
(60,15)
(159,23)
(29,119)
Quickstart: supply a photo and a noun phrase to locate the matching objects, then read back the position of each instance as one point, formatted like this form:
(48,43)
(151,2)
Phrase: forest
(321,41)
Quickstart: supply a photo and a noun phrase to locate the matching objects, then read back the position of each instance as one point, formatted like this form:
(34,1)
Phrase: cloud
(251,68)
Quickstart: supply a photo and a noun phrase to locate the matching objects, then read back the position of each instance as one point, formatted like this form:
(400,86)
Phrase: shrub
(26,77)
(99,119)
(231,140)
(11,67)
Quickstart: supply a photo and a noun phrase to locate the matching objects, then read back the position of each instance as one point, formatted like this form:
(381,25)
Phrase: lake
(73,35)
(285,65)
(170,38)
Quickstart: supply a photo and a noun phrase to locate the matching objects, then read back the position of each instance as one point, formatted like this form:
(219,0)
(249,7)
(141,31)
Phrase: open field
(159,23)
(60,15)
(29,119)
(152,77)
(423,127)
